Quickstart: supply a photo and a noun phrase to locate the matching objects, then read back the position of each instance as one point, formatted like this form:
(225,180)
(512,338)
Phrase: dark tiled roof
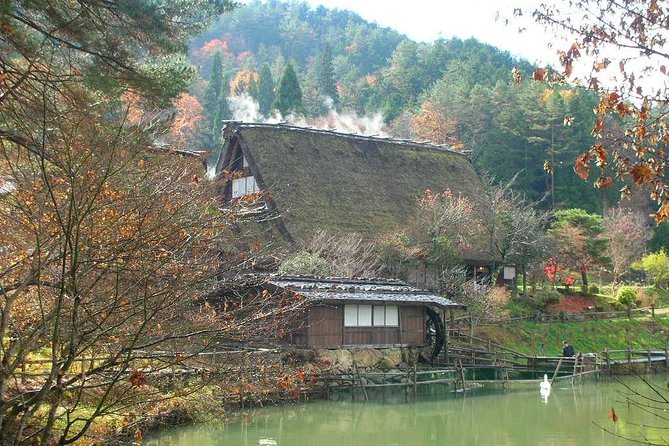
(350,290)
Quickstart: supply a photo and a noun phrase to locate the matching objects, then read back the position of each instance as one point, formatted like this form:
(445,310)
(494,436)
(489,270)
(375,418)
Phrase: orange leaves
(133,104)
(662,215)
(517,75)
(600,153)
(599,126)
(242,81)
(603,182)
(432,123)
(601,64)
(581,166)
(207,50)
(642,173)
(612,415)
(189,114)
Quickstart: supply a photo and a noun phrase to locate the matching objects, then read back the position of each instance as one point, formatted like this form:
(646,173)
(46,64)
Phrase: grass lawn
(587,336)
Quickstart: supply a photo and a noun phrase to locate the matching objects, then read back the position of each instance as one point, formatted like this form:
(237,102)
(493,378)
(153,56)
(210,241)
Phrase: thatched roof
(338,290)
(345,183)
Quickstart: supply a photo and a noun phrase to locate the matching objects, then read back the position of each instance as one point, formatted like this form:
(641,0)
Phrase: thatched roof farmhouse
(342,183)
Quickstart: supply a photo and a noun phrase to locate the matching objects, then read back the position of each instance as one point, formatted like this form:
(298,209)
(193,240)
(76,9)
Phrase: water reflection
(481,417)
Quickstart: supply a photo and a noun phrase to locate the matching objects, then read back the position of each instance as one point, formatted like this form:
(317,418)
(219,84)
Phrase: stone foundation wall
(342,360)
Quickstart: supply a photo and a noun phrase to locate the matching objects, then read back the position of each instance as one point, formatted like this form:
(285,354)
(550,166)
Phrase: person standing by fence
(567,350)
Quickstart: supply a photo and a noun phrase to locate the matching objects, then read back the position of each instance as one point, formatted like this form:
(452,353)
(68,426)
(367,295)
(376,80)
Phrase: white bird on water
(545,389)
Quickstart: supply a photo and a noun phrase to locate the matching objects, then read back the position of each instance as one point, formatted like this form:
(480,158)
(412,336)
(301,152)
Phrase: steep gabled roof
(339,290)
(344,183)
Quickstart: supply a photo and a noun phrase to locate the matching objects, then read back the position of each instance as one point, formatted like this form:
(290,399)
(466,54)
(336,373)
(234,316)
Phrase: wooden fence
(566,317)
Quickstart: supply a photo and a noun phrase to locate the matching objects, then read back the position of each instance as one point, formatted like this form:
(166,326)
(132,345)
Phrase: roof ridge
(425,145)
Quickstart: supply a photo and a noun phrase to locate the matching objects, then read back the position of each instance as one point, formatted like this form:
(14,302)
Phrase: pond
(519,417)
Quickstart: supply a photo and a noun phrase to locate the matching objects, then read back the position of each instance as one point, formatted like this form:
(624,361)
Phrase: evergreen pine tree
(289,95)
(265,90)
(253,87)
(326,81)
(213,90)
(222,111)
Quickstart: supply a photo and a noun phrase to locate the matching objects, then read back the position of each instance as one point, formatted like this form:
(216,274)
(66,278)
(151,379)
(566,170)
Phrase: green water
(482,417)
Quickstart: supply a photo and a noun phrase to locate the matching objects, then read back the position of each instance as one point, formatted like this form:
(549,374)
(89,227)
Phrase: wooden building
(355,312)
(307,180)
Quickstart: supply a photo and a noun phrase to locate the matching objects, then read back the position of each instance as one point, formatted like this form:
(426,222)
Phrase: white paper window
(364,315)
(392,315)
(509,272)
(350,315)
(379,315)
(244,186)
(368,315)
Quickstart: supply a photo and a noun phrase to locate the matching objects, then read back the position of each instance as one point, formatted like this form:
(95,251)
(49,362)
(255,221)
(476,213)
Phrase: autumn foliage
(433,125)
(621,47)
(187,126)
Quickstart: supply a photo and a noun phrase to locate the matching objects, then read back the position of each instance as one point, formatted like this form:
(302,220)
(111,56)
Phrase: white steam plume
(245,109)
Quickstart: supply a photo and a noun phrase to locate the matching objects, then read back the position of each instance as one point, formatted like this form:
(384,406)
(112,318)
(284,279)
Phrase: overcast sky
(427,20)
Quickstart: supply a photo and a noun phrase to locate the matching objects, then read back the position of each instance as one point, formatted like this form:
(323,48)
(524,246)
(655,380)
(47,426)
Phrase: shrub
(627,296)
(306,263)
(519,308)
(593,289)
(544,297)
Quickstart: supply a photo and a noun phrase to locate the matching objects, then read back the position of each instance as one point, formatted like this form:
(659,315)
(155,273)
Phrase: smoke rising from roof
(245,109)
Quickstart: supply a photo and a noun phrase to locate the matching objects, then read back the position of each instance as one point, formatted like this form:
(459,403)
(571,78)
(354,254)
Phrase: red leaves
(622,109)
(540,74)
(594,84)
(137,378)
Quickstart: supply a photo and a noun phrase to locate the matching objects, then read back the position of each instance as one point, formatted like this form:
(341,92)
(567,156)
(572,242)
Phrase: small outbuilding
(361,312)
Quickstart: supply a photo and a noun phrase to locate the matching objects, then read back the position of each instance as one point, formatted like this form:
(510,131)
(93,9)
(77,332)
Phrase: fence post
(608,360)
(652,310)
(649,365)
(666,359)
(629,355)
(415,382)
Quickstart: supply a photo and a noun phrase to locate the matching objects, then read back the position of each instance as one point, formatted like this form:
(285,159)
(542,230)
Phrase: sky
(427,20)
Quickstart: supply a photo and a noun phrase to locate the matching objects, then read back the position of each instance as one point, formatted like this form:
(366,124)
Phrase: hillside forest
(332,69)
